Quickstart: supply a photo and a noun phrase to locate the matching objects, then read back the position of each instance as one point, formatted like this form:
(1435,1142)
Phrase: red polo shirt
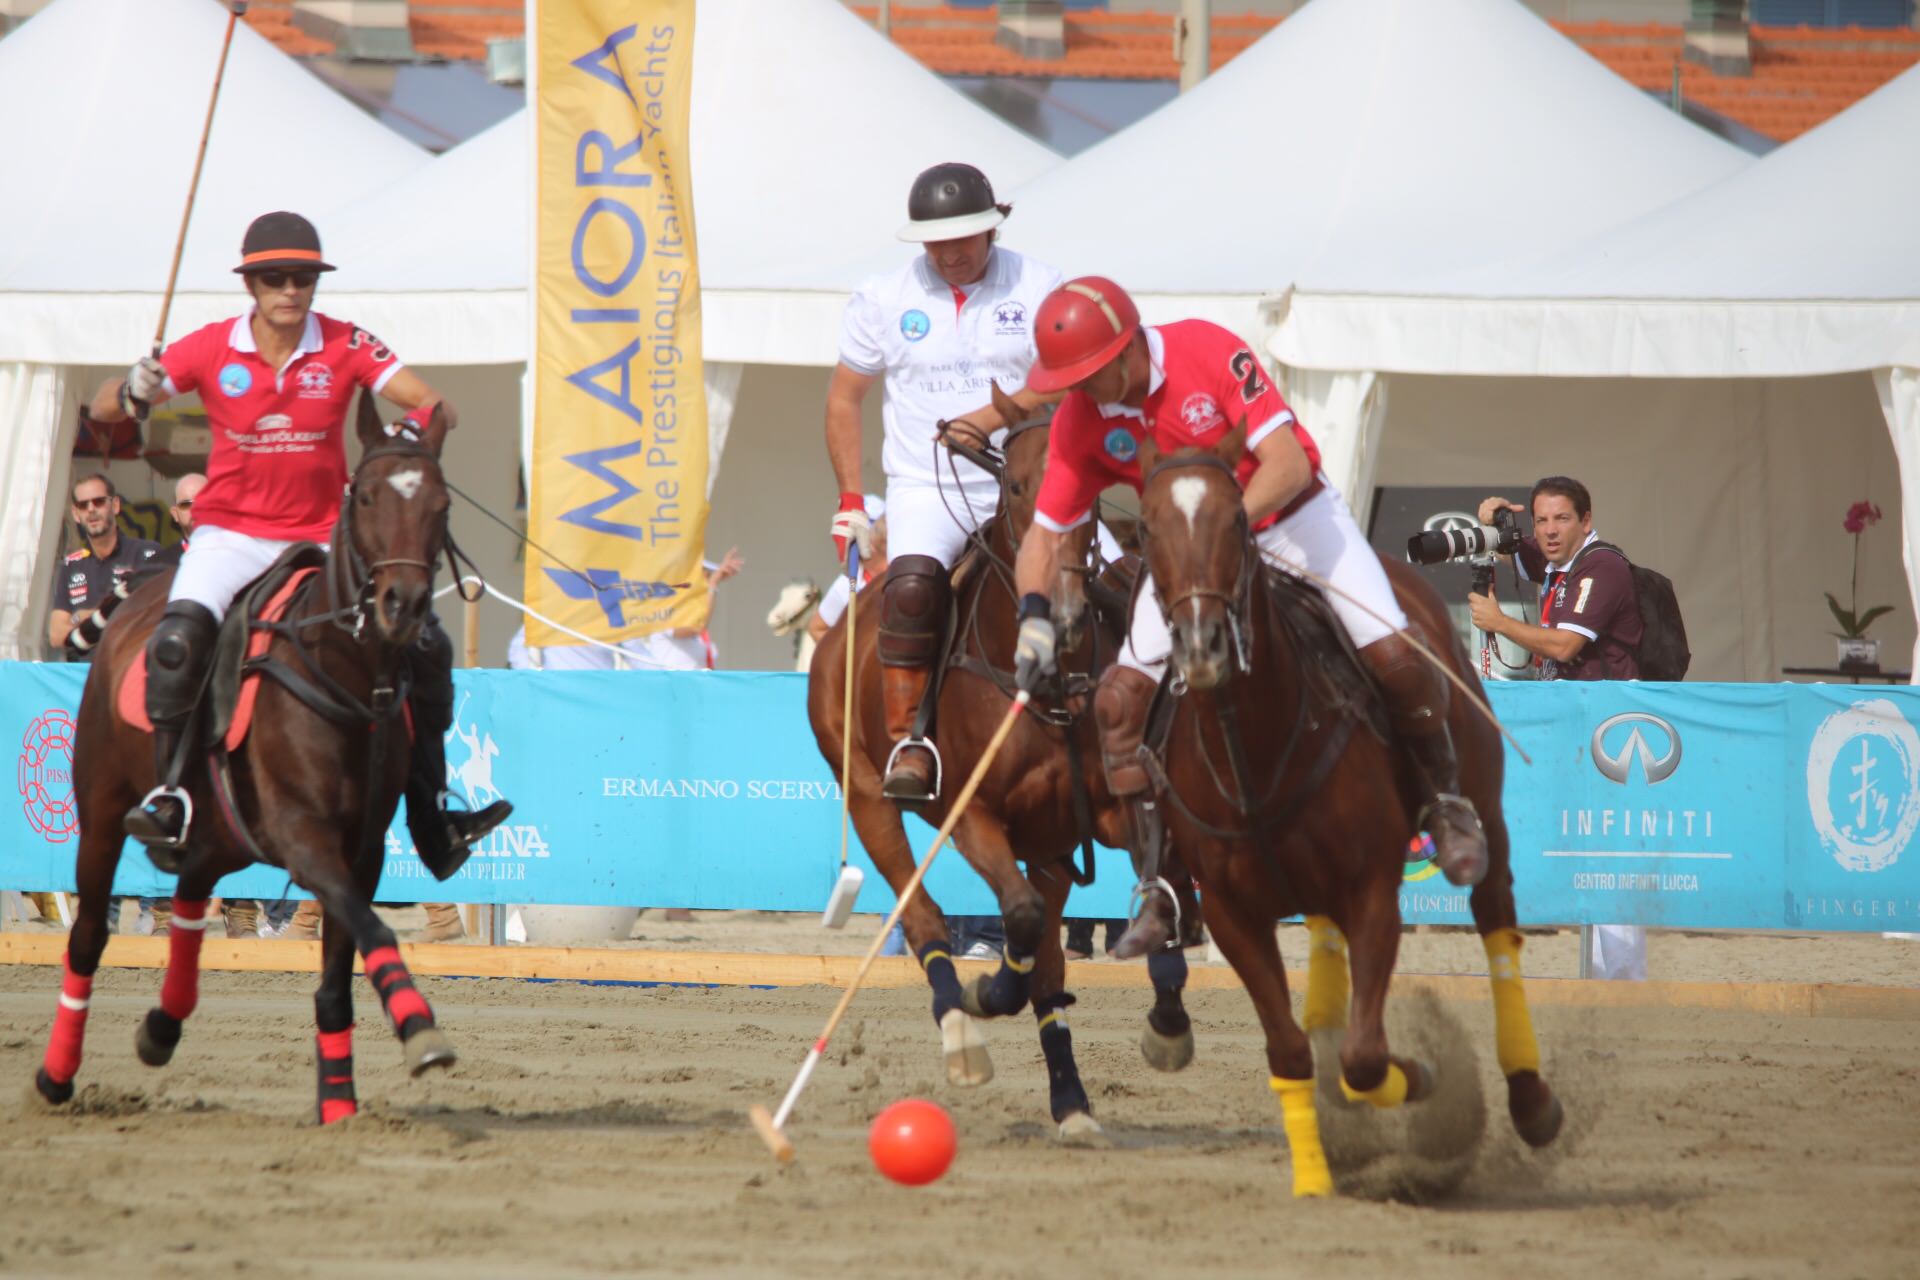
(279,460)
(1204,380)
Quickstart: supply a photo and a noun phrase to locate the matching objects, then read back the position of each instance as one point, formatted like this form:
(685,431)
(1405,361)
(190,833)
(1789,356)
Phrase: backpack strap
(1607,546)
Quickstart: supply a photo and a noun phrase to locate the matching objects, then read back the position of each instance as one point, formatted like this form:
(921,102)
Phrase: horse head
(1200,553)
(394,522)
(794,607)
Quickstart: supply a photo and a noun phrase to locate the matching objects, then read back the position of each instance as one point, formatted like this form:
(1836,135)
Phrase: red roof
(1801,76)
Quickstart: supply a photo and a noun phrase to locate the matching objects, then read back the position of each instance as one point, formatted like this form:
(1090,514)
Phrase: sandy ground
(595,1130)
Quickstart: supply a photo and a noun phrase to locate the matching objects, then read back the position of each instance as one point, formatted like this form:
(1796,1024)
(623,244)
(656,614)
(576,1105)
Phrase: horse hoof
(1541,1125)
(968,1064)
(427,1048)
(1166,1053)
(157,1038)
(1081,1130)
(55,1093)
(973,996)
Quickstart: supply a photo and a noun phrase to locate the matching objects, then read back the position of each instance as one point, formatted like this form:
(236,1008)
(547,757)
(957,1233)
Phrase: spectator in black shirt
(185,490)
(87,576)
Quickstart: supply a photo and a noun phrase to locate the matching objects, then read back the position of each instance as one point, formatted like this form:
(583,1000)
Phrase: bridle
(350,575)
(1238,603)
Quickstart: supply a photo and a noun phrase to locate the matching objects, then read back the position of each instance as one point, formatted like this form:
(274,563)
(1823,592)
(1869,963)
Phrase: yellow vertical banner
(618,490)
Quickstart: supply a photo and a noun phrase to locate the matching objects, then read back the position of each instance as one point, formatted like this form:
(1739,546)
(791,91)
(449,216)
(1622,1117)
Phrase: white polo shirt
(940,347)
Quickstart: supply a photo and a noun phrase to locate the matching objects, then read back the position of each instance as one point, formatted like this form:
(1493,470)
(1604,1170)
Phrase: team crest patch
(1200,413)
(914,325)
(315,382)
(235,380)
(1121,446)
(1010,319)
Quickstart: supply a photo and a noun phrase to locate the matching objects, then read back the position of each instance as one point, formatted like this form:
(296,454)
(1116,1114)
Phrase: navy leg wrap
(937,961)
(1064,1090)
(1006,993)
(1168,972)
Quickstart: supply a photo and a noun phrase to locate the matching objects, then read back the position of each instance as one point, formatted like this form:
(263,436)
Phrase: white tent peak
(807,131)
(1363,142)
(105,100)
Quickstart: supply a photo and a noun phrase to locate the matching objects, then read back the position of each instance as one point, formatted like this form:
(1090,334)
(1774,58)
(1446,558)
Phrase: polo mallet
(847,887)
(772,1127)
(234,9)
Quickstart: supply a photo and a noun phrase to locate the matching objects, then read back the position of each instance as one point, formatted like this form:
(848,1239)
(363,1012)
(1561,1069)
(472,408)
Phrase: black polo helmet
(281,242)
(950,201)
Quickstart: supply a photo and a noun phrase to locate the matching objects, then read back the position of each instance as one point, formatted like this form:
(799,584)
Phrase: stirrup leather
(164,792)
(927,745)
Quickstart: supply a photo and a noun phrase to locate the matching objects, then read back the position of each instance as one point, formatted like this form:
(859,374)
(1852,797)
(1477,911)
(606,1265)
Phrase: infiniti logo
(1616,765)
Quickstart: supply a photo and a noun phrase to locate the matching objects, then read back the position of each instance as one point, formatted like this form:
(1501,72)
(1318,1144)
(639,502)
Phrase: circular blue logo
(235,380)
(914,325)
(1121,446)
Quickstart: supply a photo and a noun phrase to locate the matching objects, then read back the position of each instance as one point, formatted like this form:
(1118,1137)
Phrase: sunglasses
(88,504)
(185,506)
(279,279)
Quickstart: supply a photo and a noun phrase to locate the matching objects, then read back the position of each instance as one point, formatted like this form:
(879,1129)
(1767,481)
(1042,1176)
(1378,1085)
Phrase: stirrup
(164,792)
(925,744)
(1139,896)
(1448,806)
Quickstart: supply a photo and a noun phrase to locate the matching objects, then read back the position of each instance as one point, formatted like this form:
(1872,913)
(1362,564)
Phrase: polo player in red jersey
(1186,385)
(276,383)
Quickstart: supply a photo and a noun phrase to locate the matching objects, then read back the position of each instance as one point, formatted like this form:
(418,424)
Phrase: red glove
(851,522)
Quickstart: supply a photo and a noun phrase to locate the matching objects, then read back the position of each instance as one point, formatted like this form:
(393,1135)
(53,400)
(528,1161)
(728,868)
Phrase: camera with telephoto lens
(1478,542)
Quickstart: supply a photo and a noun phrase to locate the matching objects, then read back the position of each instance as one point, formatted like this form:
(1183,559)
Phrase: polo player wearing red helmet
(1186,384)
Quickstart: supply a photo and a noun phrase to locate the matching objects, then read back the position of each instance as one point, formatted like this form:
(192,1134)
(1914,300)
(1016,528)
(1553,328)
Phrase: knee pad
(1120,707)
(183,638)
(912,609)
(1416,692)
(431,661)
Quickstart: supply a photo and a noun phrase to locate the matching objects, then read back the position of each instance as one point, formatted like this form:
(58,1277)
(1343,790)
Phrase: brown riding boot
(307,918)
(913,773)
(1120,707)
(1416,697)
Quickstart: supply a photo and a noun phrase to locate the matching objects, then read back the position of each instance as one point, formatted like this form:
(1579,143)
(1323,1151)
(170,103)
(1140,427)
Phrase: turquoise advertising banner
(1694,805)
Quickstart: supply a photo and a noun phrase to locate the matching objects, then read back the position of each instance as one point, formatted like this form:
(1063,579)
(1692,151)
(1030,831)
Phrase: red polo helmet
(1082,325)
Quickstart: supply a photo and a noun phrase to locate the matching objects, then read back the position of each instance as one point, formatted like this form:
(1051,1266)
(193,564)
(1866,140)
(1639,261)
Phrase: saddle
(231,686)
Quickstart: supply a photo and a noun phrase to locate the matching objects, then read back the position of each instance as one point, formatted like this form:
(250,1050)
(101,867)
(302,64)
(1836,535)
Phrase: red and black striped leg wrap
(406,1007)
(1064,1090)
(936,960)
(337,1099)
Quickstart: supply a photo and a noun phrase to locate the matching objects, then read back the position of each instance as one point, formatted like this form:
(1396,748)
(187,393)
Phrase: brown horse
(1024,809)
(1304,805)
(312,788)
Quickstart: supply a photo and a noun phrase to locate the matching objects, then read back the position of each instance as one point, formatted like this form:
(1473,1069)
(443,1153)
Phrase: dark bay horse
(312,788)
(1298,806)
(1024,809)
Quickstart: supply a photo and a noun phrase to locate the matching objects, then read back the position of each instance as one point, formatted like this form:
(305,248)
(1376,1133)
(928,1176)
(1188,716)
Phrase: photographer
(1589,616)
(1590,629)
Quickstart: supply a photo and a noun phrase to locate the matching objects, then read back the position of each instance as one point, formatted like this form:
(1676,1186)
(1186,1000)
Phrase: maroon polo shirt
(1597,601)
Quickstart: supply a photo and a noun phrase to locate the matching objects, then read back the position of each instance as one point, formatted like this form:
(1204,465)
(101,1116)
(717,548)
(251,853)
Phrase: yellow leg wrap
(1327,983)
(1386,1095)
(1512,1024)
(1019,966)
(1311,1177)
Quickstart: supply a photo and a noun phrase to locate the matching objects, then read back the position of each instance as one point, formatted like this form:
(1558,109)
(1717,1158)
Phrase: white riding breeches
(218,564)
(929,520)
(1322,538)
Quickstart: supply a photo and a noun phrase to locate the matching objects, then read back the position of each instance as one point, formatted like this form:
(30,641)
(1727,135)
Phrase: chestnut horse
(1302,806)
(312,788)
(1024,809)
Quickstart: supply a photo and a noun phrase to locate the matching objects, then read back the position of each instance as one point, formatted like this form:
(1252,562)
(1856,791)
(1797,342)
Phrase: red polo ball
(912,1141)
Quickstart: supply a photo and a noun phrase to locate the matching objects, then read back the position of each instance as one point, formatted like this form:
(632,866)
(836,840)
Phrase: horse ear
(371,430)
(1006,406)
(443,420)
(1231,447)
(1149,455)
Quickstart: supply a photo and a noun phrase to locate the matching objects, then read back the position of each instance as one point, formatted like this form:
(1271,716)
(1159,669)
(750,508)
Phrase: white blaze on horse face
(1188,491)
(407,483)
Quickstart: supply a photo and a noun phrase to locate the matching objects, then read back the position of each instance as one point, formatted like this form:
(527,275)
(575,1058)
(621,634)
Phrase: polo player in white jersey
(941,331)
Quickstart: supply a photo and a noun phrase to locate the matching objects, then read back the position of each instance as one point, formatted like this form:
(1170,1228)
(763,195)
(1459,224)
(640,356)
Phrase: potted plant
(1857,651)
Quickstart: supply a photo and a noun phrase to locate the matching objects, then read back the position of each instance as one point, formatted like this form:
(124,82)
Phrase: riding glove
(1033,651)
(146,380)
(851,522)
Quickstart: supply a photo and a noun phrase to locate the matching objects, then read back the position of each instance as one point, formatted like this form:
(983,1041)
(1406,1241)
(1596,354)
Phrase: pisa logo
(1863,784)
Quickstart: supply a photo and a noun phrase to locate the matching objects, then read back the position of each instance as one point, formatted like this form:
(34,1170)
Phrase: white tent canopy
(1763,303)
(807,130)
(103,102)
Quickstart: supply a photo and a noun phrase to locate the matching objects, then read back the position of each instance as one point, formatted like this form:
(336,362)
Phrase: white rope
(623,658)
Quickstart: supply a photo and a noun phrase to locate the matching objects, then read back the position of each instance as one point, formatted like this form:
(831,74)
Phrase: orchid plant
(1854,623)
